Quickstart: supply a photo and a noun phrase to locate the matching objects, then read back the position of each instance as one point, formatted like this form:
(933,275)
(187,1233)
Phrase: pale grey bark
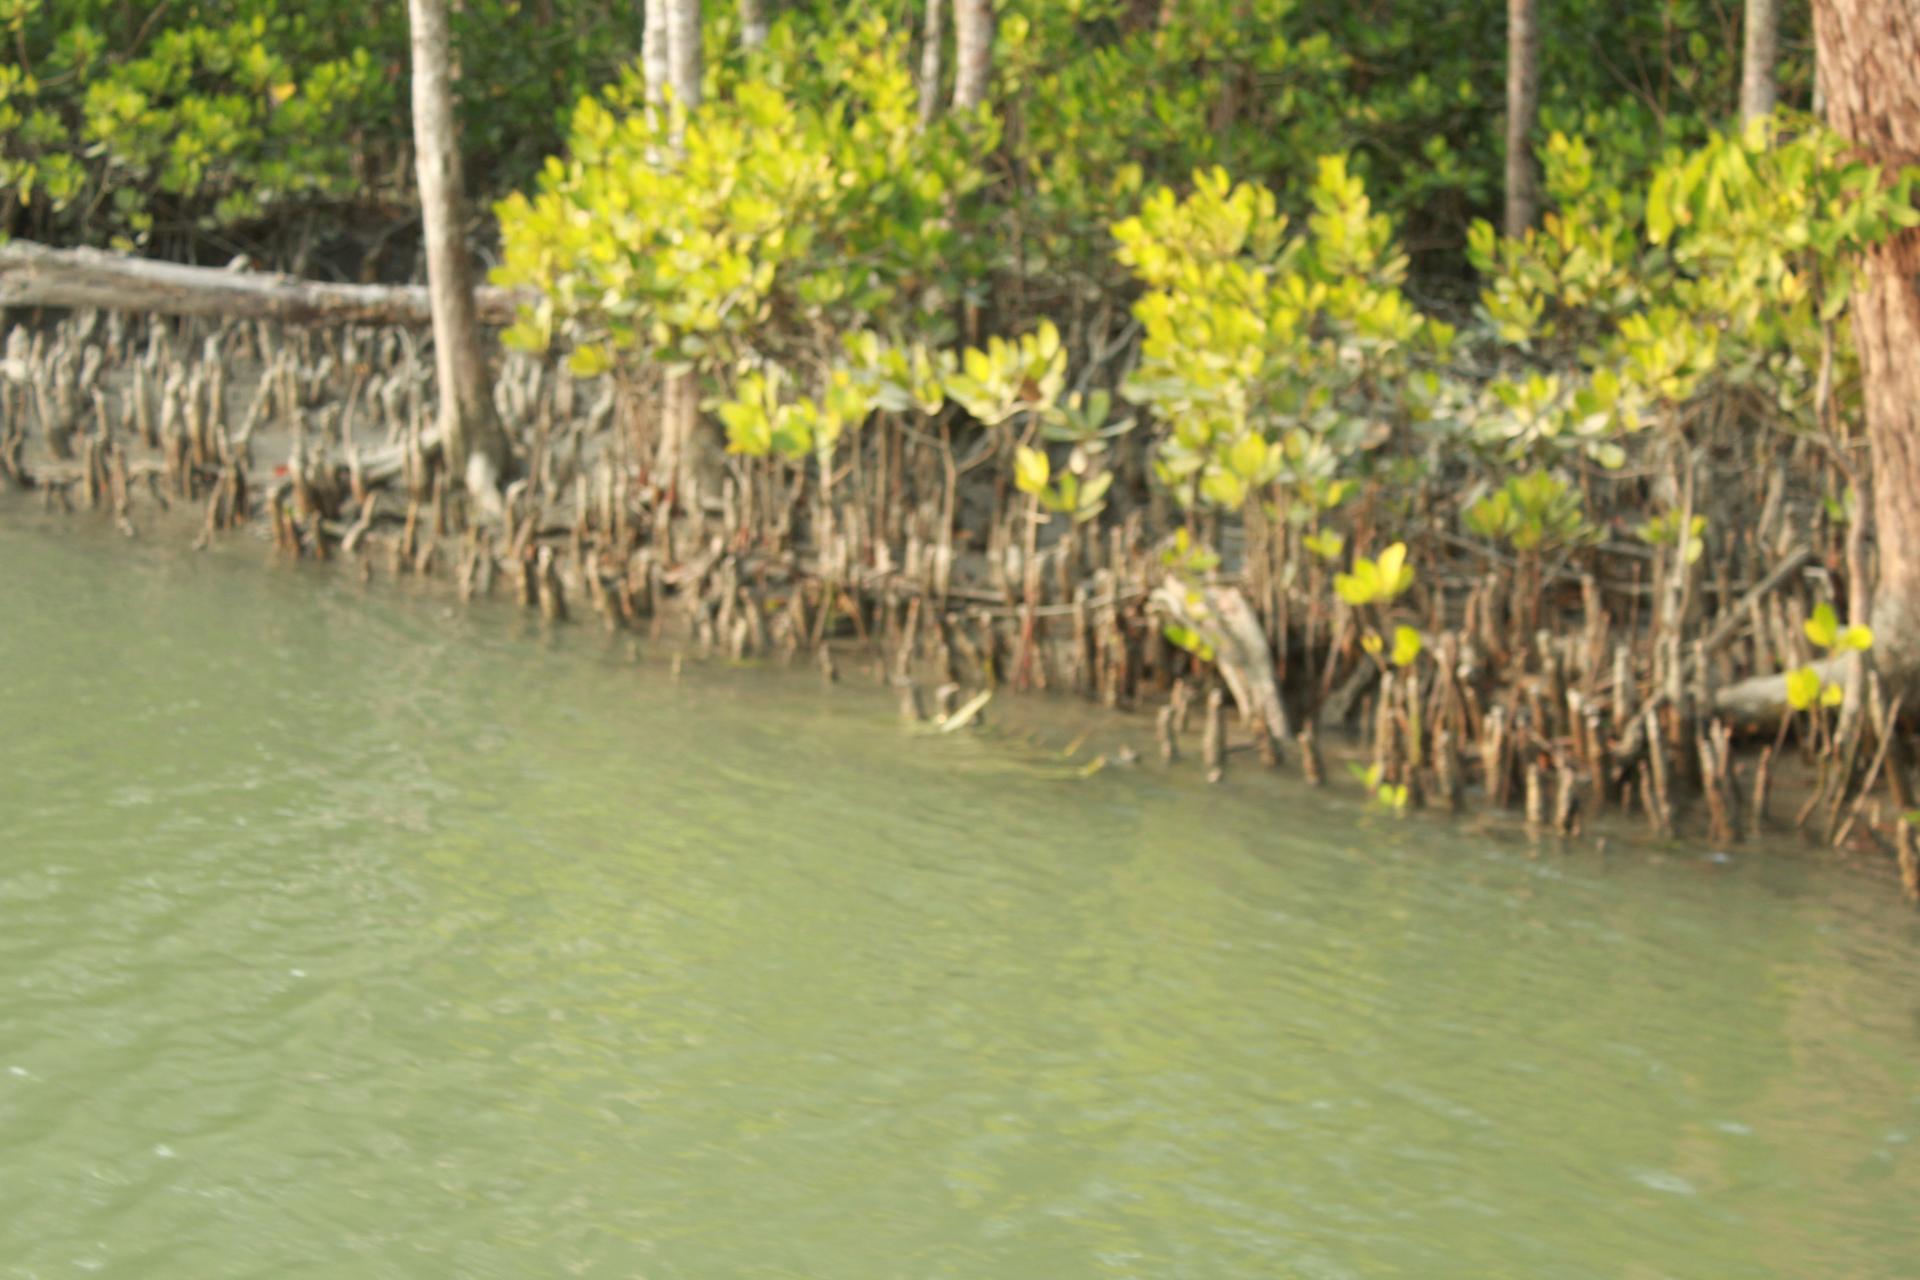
(1760,53)
(972,52)
(753,23)
(1240,651)
(685,451)
(684,53)
(36,275)
(653,51)
(1523,107)
(475,444)
(933,34)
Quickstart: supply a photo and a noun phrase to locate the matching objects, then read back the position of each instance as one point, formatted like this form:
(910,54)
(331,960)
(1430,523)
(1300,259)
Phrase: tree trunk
(36,275)
(1523,107)
(684,454)
(476,446)
(753,23)
(972,52)
(684,52)
(1869,56)
(653,51)
(1758,90)
(932,34)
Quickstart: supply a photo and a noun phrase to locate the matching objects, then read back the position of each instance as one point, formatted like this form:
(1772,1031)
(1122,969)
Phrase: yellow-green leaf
(1224,489)
(589,361)
(1326,544)
(1823,628)
(1395,574)
(1406,646)
(1803,687)
(1249,457)
(1031,470)
(1356,588)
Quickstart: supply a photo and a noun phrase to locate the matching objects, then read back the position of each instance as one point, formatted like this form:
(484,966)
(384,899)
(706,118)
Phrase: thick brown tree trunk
(1523,107)
(1869,54)
(476,446)
(1759,53)
(972,52)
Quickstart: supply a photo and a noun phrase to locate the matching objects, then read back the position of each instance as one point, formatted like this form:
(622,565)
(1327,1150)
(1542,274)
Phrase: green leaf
(1031,471)
(1406,646)
(1224,489)
(1248,458)
(1823,628)
(1359,587)
(1190,640)
(1395,574)
(1660,207)
(1325,543)
(1803,687)
(1092,496)
(589,361)
(1857,639)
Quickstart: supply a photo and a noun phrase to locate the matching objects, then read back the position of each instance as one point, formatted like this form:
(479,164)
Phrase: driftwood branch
(37,275)
(1240,654)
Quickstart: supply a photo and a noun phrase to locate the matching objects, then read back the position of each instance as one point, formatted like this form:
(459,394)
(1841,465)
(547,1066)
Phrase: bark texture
(753,23)
(35,275)
(653,51)
(685,452)
(475,443)
(1869,55)
(1523,108)
(932,34)
(1759,54)
(685,62)
(972,52)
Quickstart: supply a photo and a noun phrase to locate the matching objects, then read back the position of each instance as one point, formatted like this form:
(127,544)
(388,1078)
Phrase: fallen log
(1222,617)
(37,275)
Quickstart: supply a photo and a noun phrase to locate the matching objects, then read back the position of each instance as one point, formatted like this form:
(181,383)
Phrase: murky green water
(339,939)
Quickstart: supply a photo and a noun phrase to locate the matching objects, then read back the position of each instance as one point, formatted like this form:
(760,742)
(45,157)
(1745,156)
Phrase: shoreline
(1047,737)
(1541,703)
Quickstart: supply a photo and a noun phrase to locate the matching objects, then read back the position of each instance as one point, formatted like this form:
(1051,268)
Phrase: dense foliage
(121,119)
(199,123)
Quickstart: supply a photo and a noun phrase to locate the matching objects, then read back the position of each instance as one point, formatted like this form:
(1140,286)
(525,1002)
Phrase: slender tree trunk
(1758,89)
(1869,56)
(684,453)
(684,53)
(933,33)
(753,23)
(1523,107)
(972,52)
(653,51)
(476,446)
